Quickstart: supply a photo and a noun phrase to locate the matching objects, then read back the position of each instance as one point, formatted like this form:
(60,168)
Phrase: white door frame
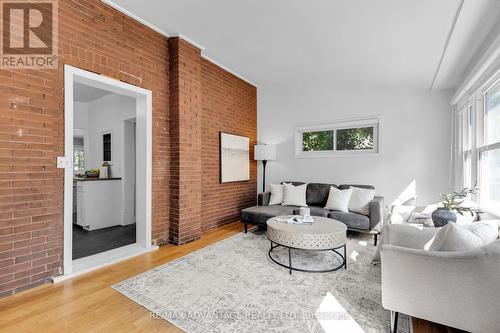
(144,112)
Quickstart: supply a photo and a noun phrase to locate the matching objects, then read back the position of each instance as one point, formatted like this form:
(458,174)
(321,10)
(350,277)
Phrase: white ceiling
(337,42)
(86,94)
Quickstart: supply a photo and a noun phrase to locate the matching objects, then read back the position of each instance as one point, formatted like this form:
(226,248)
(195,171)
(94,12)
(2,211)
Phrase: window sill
(337,154)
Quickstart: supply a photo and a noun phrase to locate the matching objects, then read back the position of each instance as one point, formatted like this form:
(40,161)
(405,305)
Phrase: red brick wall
(229,105)
(96,37)
(186,147)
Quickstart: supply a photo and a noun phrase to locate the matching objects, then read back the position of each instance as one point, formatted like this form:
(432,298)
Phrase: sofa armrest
(263,198)
(457,289)
(412,236)
(376,208)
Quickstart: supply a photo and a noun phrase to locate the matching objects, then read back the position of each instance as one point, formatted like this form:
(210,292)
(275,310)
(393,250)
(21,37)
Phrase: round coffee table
(323,234)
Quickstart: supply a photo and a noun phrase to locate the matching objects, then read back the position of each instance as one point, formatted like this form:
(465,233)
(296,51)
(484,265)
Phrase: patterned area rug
(232,286)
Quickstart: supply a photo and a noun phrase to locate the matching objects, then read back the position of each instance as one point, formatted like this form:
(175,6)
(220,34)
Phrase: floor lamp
(264,153)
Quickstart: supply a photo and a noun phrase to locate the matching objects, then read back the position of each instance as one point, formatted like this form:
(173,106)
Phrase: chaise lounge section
(316,197)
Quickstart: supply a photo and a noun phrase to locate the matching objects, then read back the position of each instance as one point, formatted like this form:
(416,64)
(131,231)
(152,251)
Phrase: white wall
(107,114)
(414,134)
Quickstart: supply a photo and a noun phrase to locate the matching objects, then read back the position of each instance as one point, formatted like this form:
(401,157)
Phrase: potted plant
(452,203)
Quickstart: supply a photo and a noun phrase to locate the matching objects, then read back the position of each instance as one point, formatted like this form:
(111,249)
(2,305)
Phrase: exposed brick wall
(186,147)
(94,37)
(229,105)
(186,189)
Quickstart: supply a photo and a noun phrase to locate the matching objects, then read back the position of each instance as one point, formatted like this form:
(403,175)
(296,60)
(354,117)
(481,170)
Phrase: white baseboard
(100,260)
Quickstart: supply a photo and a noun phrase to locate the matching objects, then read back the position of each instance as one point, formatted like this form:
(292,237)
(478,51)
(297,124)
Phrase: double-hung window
(489,149)
(360,136)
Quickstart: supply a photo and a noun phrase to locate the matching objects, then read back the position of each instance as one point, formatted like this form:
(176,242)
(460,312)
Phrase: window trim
(479,142)
(358,122)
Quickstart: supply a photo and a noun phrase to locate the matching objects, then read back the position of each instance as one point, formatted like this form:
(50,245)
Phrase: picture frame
(234,152)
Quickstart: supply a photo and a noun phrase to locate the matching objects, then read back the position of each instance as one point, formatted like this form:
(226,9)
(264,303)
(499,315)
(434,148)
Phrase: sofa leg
(394,321)
(375,238)
(246,228)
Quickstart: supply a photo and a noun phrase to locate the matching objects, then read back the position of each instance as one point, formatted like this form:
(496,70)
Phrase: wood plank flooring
(88,304)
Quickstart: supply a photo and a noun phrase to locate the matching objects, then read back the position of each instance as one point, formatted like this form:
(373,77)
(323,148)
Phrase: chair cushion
(453,237)
(315,211)
(352,220)
(260,214)
(486,230)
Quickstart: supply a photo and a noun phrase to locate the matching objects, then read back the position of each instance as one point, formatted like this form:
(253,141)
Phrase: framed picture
(234,158)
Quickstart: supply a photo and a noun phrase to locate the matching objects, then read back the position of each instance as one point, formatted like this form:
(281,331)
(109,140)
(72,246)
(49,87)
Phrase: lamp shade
(264,152)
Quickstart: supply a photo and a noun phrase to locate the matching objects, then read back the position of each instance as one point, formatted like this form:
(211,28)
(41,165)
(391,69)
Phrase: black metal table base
(291,268)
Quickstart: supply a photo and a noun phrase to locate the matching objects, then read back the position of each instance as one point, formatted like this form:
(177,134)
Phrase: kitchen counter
(99,204)
(92,179)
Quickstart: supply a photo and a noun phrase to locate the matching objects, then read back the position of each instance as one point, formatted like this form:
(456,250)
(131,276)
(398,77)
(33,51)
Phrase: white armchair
(457,289)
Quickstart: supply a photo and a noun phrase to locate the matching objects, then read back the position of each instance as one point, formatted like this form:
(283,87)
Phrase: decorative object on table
(92,173)
(264,153)
(104,171)
(452,203)
(305,211)
(234,158)
(296,219)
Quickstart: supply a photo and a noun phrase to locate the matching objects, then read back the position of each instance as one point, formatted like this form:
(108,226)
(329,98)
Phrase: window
(355,138)
(480,135)
(489,151)
(317,141)
(106,147)
(468,126)
(78,159)
(338,138)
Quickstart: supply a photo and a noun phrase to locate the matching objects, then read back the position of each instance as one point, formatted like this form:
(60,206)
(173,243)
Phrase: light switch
(63,162)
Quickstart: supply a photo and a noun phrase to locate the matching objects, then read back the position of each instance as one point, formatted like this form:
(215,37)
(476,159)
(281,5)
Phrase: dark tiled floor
(86,243)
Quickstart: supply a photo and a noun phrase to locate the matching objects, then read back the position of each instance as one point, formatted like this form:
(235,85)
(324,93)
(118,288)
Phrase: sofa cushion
(360,200)
(276,194)
(352,220)
(294,195)
(317,193)
(339,199)
(315,211)
(345,186)
(260,214)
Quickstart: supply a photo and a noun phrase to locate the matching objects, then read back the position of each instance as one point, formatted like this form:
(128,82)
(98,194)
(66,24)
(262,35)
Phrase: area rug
(232,286)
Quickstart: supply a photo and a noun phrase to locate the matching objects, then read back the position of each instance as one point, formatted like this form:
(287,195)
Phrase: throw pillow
(360,199)
(452,237)
(276,194)
(294,195)
(486,230)
(338,199)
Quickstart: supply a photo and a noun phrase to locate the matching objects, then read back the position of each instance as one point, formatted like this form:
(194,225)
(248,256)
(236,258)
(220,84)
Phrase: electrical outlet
(63,162)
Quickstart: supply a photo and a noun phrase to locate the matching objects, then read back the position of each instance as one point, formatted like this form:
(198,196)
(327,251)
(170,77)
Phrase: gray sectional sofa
(316,197)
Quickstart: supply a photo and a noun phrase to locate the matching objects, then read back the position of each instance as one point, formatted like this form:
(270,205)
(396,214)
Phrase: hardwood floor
(88,304)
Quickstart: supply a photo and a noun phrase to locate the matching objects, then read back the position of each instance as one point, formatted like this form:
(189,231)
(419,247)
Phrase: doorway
(107,179)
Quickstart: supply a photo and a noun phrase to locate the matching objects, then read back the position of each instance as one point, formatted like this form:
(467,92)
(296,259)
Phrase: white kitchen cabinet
(99,203)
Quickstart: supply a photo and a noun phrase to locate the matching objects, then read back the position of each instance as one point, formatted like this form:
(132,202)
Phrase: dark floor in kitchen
(86,243)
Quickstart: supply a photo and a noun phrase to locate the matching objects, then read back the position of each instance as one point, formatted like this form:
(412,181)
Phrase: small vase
(442,216)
